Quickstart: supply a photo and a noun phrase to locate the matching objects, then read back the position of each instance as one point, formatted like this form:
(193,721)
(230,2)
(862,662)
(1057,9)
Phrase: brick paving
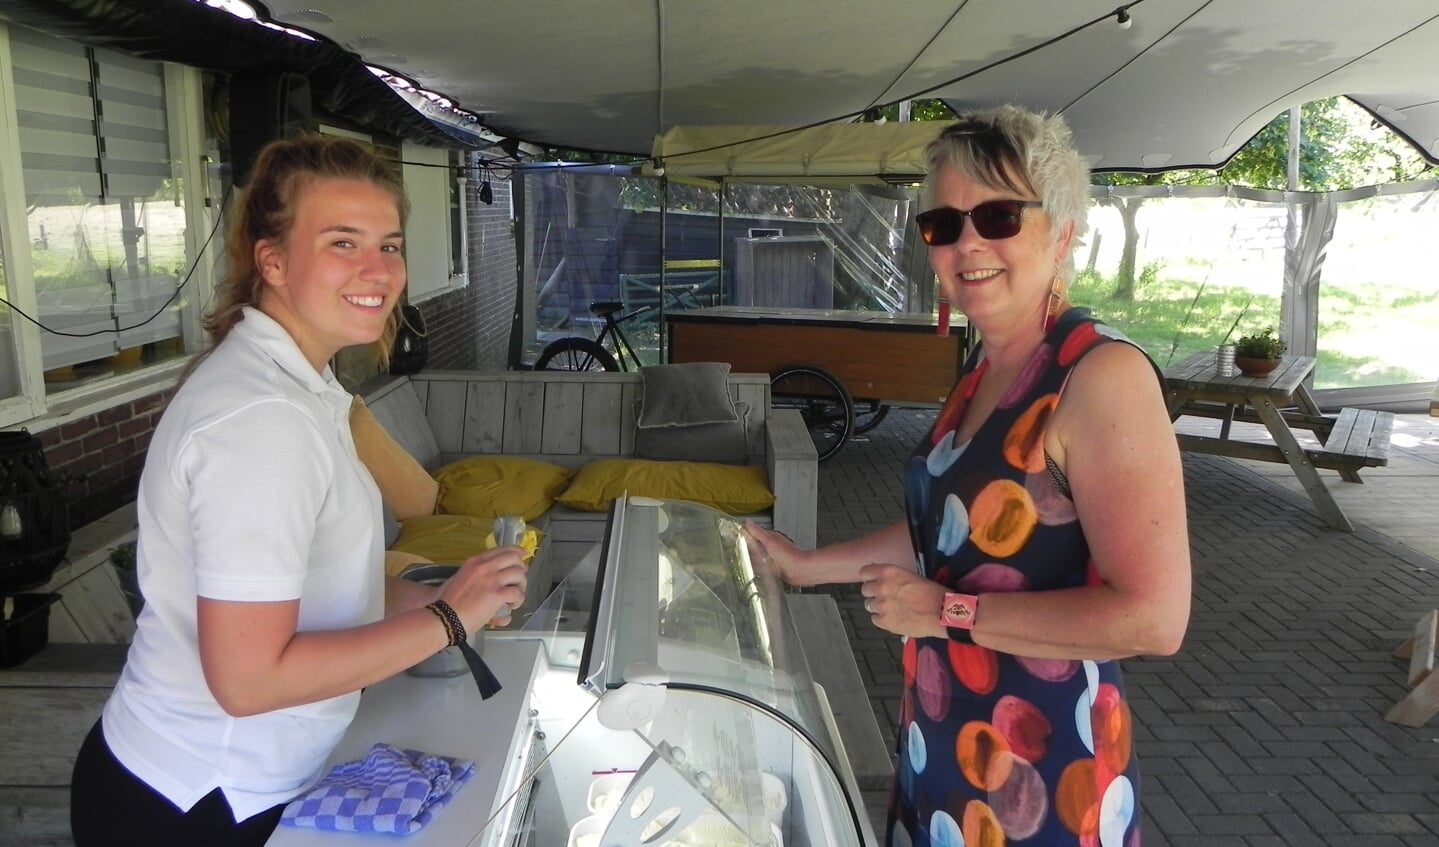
(1267,727)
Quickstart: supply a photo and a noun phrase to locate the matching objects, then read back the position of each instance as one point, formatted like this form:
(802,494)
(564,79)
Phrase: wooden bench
(569,418)
(1422,701)
(1356,438)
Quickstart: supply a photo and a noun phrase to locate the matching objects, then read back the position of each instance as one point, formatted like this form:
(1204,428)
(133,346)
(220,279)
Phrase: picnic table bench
(1354,439)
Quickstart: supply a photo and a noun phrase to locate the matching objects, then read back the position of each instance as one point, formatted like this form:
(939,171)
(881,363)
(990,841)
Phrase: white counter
(445,717)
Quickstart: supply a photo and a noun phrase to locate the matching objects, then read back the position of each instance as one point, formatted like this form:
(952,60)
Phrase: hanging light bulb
(1123,19)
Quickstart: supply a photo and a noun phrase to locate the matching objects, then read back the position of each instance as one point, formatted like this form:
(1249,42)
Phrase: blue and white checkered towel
(390,790)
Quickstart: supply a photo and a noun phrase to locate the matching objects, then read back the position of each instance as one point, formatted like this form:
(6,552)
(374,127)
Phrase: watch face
(958,611)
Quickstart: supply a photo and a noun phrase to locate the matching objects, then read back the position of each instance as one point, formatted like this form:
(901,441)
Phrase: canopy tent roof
(1187,83)
(892,152)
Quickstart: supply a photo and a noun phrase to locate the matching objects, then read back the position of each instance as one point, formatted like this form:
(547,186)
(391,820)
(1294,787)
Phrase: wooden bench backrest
(559,416)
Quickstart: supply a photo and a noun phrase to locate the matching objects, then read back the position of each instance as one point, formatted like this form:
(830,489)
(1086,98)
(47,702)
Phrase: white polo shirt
(252,491)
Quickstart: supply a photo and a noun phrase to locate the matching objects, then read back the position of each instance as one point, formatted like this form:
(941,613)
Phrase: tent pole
(719,248)
(664,263)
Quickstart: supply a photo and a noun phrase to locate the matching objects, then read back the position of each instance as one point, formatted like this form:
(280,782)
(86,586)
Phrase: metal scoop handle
(509,532)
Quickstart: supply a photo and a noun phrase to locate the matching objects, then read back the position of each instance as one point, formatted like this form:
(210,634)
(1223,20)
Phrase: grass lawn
(1369,334)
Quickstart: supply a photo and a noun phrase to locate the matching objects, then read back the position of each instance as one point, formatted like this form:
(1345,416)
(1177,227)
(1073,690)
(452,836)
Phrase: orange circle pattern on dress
(1002,518)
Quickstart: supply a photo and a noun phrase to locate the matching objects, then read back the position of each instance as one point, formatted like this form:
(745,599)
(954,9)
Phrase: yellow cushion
(736,489)
(452,538)
(490,486)
(405,486)
(396,561)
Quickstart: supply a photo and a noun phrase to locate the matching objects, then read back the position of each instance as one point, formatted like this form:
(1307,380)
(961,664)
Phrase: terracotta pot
(1255,367)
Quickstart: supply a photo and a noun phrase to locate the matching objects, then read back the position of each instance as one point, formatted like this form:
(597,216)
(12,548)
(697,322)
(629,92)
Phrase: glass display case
(660,696)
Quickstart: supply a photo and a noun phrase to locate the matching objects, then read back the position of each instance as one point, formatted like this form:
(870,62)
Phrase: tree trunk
(1124,277)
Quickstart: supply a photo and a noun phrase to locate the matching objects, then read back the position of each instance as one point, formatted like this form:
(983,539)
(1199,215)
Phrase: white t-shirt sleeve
(257,479)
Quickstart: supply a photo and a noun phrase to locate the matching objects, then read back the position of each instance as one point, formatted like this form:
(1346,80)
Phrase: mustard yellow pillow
(405,486)
(490,486)
(736,489)
(451,538)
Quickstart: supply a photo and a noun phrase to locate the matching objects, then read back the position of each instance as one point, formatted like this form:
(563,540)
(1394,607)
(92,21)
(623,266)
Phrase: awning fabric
(868,152)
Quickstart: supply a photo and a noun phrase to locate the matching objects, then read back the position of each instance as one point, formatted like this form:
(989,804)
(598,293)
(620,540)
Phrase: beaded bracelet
(449,635)
(447,615)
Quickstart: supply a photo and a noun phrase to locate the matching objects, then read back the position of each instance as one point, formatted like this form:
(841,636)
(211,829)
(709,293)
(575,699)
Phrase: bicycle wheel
(575,354)
(868,414)
(822,400)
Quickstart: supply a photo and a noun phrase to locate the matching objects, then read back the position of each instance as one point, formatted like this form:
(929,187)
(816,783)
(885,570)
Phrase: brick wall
(102,455)
(470,328)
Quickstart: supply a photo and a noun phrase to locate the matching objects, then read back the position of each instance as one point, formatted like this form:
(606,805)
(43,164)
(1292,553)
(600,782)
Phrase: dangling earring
(1056,303)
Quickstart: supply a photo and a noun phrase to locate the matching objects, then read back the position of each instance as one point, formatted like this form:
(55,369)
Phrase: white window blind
(106,222)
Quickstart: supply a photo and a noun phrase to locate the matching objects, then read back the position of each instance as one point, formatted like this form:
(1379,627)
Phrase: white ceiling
(1186,84)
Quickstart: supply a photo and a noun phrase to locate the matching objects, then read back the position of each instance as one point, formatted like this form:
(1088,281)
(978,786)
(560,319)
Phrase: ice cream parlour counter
(661,696)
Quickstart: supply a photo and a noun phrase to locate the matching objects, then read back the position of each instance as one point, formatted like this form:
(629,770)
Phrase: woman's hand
(784,555)
(485,584)
(901,601)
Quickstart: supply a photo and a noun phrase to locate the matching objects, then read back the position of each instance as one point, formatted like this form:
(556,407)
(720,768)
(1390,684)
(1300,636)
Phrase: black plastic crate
(27,629)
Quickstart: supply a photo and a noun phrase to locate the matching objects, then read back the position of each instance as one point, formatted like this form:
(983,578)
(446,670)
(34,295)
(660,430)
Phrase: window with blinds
(106,217)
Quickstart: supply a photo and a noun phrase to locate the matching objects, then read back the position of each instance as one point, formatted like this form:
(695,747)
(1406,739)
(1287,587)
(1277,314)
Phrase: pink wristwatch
(959,610)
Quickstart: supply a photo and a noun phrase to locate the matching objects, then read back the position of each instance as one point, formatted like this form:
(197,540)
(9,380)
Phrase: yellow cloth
(736,489)
(453,538)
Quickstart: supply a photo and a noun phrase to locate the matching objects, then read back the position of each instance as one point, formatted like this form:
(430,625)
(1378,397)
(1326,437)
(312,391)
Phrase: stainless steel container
(447,662)
(1224,360)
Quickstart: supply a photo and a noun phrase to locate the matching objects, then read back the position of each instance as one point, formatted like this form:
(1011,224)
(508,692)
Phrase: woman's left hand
(901,601)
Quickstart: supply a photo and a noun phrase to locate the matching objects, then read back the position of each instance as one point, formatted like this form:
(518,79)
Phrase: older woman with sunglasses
(1044,532)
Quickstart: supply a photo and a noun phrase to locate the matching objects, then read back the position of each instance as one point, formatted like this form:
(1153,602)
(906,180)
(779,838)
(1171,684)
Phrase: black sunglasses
(993,219)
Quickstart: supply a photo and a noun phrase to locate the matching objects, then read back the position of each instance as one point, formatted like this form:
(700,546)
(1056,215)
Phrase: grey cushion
(706,442)
(687,394)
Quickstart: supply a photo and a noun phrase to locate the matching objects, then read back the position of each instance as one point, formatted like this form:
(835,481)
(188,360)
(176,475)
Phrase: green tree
(1340,146)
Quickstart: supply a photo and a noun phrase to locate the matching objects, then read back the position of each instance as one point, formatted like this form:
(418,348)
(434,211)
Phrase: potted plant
(1257,354)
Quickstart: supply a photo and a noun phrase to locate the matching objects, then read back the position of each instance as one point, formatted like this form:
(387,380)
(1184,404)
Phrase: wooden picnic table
(1353,439)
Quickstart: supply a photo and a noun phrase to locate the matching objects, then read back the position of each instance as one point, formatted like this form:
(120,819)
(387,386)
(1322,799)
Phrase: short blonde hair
(1010,148)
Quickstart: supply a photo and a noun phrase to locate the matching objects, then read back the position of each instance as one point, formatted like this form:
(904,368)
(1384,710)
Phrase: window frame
(36,405)
(434,232)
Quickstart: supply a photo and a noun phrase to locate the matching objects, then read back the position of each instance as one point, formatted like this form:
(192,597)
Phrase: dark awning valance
(189,33)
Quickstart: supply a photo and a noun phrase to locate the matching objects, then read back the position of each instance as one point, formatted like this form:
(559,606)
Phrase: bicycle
(577,353)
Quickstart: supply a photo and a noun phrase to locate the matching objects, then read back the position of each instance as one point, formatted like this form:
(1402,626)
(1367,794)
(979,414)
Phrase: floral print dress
(994,748)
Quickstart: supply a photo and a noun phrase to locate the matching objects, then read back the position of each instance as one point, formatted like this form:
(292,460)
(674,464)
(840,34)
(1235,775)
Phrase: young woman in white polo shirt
(260,536)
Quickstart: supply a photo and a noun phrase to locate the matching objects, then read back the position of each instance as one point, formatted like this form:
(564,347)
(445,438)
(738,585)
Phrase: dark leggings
(112,807)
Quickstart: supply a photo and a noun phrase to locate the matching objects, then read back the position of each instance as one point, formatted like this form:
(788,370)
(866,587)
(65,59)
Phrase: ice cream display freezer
(660,696)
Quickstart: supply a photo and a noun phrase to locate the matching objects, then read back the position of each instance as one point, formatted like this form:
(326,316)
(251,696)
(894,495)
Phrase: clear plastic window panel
(596,238)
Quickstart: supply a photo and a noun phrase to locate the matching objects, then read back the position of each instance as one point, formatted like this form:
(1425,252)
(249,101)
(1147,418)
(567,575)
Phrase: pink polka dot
(1049,670)
(933,685)
(992,577)
(1020,803)
(1024,726)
